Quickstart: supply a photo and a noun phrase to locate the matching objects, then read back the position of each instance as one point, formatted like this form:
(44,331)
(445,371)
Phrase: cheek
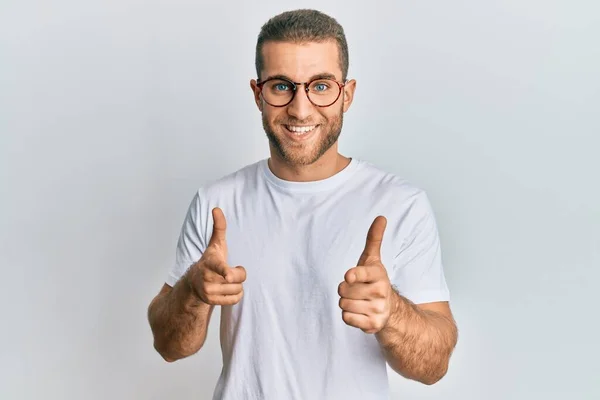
(329,117)
(333,112)
(274,116)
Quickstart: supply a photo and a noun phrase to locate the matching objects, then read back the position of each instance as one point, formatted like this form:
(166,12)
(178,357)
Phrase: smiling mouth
(300,129)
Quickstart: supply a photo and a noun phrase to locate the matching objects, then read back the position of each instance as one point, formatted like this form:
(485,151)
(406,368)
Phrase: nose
(300,108)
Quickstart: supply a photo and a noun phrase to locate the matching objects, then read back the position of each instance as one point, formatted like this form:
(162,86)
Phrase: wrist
(190,288)
(396,311)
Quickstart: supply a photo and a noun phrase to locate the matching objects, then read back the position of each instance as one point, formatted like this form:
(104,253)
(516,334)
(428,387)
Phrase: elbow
(427,373)
(161,347)
(432,380)
(437,368)
(168,356)
(434,376)
(171,351)
(168,347)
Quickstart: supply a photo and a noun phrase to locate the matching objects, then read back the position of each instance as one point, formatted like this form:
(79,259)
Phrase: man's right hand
(211,279)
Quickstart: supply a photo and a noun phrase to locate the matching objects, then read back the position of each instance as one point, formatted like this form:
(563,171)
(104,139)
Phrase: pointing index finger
(219,227)
(375,237)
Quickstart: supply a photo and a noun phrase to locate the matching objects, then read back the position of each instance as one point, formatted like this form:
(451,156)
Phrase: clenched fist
(366,292)
(211,279)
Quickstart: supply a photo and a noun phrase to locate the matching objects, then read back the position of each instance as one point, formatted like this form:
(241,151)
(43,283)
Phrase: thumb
(374,239)
(219,228)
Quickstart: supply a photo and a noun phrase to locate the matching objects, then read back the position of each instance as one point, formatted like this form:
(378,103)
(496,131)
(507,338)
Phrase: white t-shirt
(286,338)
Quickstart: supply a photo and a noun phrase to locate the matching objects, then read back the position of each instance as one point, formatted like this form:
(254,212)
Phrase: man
(325,267)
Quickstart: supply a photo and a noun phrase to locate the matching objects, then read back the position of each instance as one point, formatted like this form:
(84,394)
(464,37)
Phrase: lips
(300,129)
(300,132)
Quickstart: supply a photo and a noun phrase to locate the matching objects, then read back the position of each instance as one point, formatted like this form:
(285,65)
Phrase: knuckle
(378,307)
(235,289)
(207,288)
(234,299)
(380,290)
(210,300)
(226,300)
(372,325)
(347,318)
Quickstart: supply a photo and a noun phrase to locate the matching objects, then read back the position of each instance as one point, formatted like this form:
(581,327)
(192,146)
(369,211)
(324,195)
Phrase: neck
(328,165)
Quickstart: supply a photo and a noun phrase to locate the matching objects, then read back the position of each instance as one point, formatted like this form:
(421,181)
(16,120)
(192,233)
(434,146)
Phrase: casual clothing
(286,338)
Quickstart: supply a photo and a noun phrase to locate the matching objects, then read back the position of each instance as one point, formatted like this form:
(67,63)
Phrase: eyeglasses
(279,92)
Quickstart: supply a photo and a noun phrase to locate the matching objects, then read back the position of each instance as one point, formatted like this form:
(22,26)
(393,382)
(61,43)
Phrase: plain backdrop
(113,113)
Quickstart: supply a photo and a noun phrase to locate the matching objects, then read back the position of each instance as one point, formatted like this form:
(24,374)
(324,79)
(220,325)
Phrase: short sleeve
(418,273)
(190,245)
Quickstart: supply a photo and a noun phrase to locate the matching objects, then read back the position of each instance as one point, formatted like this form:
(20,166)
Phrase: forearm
(179,322)
(417,343)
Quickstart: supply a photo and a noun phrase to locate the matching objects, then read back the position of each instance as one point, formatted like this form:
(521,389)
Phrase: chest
(301,256)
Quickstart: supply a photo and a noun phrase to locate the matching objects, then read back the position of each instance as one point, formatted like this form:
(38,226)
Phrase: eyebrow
(322,75)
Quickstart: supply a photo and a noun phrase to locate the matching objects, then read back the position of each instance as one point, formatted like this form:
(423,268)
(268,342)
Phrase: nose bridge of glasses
(300,99)
(305,84)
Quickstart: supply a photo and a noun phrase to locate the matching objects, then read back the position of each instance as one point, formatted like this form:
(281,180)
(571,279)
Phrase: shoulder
(405,204)
(227,185)
(383,183)
(220,192)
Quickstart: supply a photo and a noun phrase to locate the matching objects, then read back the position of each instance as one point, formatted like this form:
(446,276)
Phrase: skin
(317,158)
(417,340)
(179,315)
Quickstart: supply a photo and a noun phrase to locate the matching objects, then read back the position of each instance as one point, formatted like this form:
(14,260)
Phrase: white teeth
(301,129)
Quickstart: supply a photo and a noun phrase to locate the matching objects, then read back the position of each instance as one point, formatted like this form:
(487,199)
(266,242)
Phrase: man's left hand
(366,292)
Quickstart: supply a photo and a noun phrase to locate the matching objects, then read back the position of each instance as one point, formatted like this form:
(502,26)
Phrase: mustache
(288,121)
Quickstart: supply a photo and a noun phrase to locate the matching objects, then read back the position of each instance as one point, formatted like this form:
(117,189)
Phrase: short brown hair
(301,26)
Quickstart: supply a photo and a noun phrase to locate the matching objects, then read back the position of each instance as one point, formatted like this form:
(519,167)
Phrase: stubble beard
(297,154)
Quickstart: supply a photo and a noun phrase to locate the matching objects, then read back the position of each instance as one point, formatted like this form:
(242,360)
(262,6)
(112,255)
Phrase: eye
(320,86)
(281,87)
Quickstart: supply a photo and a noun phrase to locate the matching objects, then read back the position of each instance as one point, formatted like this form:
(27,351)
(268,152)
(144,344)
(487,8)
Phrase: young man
(325,267)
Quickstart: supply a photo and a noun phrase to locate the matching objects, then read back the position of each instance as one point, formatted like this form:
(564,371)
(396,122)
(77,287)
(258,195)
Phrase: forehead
(301,61)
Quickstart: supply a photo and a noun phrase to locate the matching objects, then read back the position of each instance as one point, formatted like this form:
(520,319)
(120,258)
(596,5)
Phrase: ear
(256,93)
(349,89)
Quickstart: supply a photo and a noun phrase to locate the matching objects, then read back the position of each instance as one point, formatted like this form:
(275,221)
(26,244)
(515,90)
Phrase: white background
(112,114)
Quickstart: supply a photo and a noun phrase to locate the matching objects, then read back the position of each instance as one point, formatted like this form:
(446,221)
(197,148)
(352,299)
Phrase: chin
(301,153)
(295,156)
